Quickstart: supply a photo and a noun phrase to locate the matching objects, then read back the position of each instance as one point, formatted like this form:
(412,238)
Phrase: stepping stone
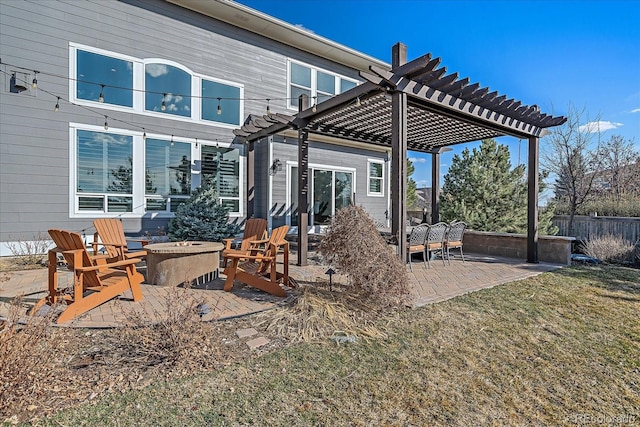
(244,333)
(257,342)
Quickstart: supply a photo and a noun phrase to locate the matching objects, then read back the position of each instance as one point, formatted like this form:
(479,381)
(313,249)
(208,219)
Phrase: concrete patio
(429,285)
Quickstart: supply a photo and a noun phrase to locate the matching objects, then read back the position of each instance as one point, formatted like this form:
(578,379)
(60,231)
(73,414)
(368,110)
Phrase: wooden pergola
(414,106)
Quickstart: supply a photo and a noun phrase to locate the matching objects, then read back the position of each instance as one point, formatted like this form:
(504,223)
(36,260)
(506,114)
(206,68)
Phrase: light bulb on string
(101,97)
(106,125)
(57,107)
(314,108)
(358,101)
(219,107)
(144,134)
(34,83)
(268,109)
(171,141)
(196,142)
(163,106)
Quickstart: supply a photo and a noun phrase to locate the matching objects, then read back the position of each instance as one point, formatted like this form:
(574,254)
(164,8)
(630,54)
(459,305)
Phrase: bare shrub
(317,313)
(31,252)
(354,246)
(610,249)
(175,334)
(26,350)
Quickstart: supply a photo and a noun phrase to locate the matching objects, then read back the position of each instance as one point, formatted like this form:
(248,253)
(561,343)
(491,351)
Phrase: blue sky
(549,53)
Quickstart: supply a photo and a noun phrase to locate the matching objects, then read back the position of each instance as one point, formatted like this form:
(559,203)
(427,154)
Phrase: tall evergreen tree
(483,190)
(412,196)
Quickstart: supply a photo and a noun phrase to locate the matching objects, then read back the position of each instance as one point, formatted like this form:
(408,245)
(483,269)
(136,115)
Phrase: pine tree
(202,217)
(483,190)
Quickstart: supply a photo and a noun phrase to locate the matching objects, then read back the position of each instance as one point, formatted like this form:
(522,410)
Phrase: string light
(91,110)
(171,140)
(34,83)
(268,109)
(219,107)
(101,97)
(196,142)
(103,86)
(358,102)
(314,108)
(163,106)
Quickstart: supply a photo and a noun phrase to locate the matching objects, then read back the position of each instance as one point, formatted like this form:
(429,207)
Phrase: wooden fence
(585,227)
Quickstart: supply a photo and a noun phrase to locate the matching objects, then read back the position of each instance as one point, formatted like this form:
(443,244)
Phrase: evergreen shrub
(202,217)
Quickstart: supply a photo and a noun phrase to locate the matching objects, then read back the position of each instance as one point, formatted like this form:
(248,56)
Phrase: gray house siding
(326,156)
(35,189)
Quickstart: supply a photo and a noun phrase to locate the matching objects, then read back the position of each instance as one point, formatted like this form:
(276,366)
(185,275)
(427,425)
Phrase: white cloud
(302,27)
(636,110)
(601,126)
(417,160)
(156,70)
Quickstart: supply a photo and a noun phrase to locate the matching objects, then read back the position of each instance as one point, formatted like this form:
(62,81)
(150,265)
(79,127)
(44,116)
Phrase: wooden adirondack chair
(110,235)
(93,283)
(258,269)
(255,230)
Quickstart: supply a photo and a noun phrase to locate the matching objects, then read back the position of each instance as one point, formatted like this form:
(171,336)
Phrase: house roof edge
(268,26)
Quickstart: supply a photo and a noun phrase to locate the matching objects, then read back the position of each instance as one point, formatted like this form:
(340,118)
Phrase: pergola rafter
(414,106)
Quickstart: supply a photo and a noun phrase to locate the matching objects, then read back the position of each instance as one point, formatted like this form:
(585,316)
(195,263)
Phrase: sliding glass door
(330,190)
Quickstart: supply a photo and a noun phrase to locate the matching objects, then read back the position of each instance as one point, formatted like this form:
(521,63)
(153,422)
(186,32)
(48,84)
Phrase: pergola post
(533,187)
(303,186)
(399,157)
(251,179)
(435,187)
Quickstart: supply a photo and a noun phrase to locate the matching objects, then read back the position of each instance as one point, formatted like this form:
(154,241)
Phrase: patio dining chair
(436,241)
(417,240)
(454,238)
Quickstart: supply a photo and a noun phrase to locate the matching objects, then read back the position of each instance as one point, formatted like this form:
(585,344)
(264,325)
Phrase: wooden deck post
(399,157)
(533,187)
(303,186)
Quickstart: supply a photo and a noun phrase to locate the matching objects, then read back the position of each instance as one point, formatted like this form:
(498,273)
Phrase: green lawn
(562,348)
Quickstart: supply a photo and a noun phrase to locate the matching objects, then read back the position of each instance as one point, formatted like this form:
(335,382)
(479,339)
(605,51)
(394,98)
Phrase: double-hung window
(376,178)
(158,87)
(104,172)
(319,85)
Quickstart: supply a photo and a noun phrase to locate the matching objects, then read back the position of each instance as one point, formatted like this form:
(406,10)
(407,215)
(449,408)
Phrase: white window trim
(139,93)
(369,178)
(314,81)
(138,179)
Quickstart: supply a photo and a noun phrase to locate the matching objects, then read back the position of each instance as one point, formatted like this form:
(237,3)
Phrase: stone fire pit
(173,263)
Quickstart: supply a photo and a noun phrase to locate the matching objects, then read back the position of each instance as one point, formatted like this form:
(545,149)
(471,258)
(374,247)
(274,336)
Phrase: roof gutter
(265,25)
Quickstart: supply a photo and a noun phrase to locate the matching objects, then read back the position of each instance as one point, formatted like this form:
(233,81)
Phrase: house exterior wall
(36,192)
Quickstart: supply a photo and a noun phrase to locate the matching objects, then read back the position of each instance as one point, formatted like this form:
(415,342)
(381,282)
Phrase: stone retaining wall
(555,249)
